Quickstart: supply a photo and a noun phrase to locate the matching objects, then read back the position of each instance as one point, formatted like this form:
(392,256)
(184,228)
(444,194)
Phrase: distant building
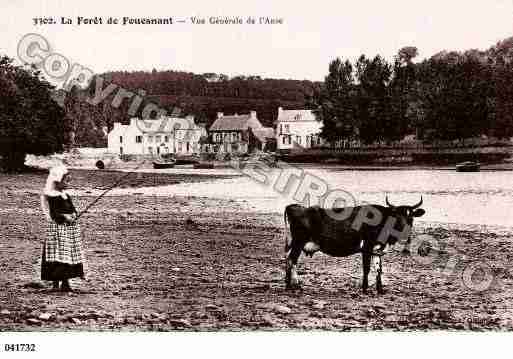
(156,137)
(297,129)
(239,133)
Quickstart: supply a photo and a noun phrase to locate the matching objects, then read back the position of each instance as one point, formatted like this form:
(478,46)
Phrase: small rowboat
(186,160)
(165,161)
(468,166)
(163,164)
(204,165)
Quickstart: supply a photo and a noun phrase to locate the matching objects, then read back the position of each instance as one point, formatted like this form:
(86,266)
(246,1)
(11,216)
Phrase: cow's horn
(388,203)
(418,204)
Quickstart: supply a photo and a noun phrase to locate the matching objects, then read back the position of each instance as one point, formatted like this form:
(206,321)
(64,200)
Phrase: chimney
(280,110)
(252,114)
(220,114)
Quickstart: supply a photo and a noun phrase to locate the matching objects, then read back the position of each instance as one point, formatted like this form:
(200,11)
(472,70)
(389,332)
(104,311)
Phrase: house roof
(263,133)
(235,123)
(295,116)
(166,124)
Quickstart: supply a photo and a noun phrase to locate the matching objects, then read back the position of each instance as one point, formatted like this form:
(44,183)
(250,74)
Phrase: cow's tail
(286,232)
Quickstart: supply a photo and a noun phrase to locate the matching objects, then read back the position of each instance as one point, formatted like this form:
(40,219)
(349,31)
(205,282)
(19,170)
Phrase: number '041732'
(20,347)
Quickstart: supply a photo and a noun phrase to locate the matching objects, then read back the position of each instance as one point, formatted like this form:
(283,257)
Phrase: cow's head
(405,214)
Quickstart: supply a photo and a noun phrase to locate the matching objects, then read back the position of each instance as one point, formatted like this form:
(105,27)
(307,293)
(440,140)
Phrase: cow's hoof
(289,287)
(293,285)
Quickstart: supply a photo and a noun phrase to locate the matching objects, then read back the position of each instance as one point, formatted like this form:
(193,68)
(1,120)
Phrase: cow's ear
(418,212)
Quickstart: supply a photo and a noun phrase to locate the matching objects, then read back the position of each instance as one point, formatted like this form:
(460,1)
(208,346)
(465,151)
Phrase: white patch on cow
(361,244)
(311,247)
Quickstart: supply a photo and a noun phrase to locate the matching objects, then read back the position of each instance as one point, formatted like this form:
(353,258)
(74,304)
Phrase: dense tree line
(30,120)
(450,96)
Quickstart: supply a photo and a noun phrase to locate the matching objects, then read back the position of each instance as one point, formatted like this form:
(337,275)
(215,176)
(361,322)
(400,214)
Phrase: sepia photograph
(331,170)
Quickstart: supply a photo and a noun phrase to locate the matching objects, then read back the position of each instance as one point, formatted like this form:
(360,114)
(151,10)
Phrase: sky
(313,33)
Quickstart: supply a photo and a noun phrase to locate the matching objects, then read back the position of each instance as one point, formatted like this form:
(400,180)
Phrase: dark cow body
(344,232)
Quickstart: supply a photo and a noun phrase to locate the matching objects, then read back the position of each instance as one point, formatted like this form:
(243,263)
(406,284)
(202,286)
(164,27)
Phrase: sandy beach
(177,255)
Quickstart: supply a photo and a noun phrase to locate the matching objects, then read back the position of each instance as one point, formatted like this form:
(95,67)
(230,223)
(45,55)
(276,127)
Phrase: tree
(30,120)
(457,95)
(373,101)
(402,90)
(335,102)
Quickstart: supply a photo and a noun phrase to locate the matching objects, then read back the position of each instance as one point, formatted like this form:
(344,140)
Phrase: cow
(341,232)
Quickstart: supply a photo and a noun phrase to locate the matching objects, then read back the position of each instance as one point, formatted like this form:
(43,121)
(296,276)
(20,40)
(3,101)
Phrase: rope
(108,190)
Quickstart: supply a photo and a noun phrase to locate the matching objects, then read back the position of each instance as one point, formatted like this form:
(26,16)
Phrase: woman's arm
(45,206)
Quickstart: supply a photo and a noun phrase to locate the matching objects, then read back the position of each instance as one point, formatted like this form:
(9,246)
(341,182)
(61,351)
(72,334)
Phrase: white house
(239,133)
(297,129)
(155,137)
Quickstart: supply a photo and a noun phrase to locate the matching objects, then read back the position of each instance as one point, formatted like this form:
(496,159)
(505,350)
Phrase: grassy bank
(388,156)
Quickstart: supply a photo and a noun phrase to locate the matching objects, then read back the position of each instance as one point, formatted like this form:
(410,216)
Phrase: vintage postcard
(262,168)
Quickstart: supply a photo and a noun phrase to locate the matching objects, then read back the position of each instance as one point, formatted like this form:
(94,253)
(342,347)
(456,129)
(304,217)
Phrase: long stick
(108,190)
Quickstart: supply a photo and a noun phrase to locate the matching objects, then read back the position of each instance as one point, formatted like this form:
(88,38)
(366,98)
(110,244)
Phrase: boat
(165,161)
(468,166)
(186,160)
(163,164)
(204,165)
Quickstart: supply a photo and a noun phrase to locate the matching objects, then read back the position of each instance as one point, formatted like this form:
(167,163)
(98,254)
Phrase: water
(483,198)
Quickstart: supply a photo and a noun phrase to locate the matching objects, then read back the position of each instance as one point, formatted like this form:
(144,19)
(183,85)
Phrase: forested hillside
(184,93)
(451,95)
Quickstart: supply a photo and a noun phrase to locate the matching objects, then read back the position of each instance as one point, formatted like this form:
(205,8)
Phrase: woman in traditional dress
(62,250)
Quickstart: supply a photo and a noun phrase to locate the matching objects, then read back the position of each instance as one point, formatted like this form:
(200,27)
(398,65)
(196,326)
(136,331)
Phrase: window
(150,139)
(234,137)
(284,138)
(121,150)
(150,150)
(120,139)
(166,138)
(138,139)
(158,139)
(281,127)
(289,139)
(187,144)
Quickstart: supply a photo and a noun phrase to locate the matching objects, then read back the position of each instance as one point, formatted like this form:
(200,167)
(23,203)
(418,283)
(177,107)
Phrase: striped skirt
(62,252)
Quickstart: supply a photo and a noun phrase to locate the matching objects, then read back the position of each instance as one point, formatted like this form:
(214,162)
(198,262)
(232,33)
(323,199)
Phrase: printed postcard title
(171,20)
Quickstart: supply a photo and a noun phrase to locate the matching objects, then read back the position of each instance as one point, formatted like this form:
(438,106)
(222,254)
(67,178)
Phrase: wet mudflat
(193,263)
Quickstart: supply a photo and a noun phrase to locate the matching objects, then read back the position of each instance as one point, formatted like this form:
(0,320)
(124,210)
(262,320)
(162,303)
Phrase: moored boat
(165,161)
(468,166)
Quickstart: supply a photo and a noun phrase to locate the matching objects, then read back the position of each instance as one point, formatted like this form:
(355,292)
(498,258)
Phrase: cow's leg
(378,263)
(406,249)
(291,277)
(366,261)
